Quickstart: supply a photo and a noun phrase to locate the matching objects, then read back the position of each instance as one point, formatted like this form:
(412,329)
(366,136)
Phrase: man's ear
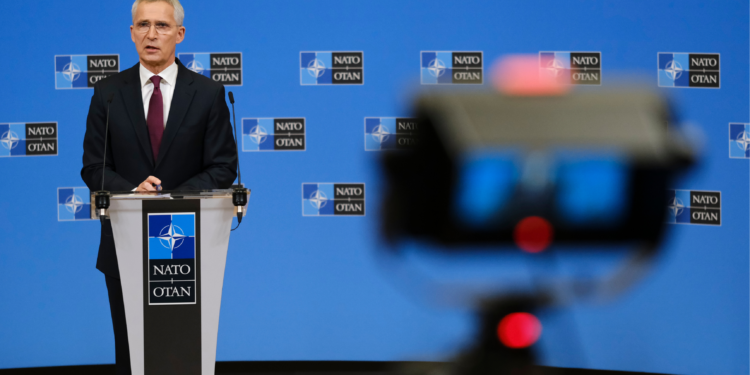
(180,34)
(132,37)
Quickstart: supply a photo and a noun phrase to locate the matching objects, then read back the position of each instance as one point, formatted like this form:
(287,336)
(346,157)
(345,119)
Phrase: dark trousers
(117,308)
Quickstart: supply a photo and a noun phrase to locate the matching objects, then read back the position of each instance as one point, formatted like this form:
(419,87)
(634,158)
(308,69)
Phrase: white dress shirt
(168,81)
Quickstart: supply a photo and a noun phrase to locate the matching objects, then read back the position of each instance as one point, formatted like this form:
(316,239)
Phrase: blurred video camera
(595,167)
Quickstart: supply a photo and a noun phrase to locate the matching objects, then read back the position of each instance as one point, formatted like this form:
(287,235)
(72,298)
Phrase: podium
(171,250)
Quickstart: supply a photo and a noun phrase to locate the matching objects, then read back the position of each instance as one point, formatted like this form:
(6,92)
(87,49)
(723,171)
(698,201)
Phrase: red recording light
(520,75)
(533,234)
(519,330)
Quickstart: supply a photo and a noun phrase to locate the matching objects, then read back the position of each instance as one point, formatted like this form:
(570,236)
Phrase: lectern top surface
(174,194)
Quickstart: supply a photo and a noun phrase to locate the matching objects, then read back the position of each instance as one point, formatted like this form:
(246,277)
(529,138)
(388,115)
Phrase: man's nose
(151,34)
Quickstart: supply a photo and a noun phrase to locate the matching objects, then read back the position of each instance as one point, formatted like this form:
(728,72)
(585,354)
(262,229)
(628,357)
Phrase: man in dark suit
(168,126)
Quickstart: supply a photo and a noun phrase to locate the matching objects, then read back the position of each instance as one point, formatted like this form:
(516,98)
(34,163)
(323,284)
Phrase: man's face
(156,45)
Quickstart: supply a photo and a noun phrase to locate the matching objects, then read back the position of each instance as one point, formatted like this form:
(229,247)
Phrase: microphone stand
(239,194)
(102,196)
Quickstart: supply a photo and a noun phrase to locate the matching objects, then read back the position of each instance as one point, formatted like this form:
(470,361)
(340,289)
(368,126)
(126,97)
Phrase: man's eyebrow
(148,20)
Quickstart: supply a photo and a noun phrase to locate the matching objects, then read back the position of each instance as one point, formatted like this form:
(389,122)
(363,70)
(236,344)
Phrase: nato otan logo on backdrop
(83,71)
(171,259)
(273,134)
(739,141)
(28,139)
(390,133)
(689,70)
(331,68)
(333,199)
(225,67)
(574,68)
(694,207)
(73,204)
(445,67)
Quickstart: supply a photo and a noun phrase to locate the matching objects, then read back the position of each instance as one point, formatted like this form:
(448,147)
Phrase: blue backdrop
(312,288)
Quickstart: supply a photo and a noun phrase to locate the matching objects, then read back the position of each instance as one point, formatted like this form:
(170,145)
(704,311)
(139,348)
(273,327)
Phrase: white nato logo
(380,133)
(436,68)
(74,204)
(316,68)
(673,69)
(555,67)
(195,66)
(9,140)
(676,206)
(171,236)
(318,199)
(743,141)
(258,134)
(71,71)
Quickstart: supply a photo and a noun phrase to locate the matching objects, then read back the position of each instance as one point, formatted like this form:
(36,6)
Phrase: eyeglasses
(144,26)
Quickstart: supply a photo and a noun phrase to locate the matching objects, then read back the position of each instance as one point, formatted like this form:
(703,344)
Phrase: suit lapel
(183,96)
(131,94)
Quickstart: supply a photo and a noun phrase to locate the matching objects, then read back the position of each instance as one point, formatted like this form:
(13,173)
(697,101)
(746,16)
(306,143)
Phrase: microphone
(102,196)
(239,195)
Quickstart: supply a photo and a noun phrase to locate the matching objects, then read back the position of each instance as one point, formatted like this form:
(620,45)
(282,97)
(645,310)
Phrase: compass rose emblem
(743,141)
(318,199)
(258,134)
(316,68)
(9,140)
(676,206)
(674,70)
(555,67)
(171,237)
(436,68)
(380,133)
(196,66)
(74,204)
(71,71)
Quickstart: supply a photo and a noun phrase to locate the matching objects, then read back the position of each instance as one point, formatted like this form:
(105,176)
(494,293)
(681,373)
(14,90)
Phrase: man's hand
(148,185)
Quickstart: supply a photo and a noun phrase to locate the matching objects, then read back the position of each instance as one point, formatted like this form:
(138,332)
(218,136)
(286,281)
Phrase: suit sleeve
(93,150)
(219,150)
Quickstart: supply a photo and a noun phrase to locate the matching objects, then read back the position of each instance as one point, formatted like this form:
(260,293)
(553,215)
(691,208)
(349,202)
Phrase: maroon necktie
(155,118)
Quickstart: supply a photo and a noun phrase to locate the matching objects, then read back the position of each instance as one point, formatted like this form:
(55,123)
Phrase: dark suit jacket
(197,150)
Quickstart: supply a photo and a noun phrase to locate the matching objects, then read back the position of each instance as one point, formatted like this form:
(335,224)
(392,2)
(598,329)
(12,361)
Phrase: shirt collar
(168,75)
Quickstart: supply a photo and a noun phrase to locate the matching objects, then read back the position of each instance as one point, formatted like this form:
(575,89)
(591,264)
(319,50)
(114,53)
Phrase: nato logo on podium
(171,258)
(83,71)
(333,199)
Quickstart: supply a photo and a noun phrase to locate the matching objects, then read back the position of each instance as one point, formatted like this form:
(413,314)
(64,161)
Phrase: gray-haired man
(167,126)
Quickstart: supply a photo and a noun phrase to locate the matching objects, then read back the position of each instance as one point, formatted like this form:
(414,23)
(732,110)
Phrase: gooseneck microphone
(237,146)
(239,195)
(102,196)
